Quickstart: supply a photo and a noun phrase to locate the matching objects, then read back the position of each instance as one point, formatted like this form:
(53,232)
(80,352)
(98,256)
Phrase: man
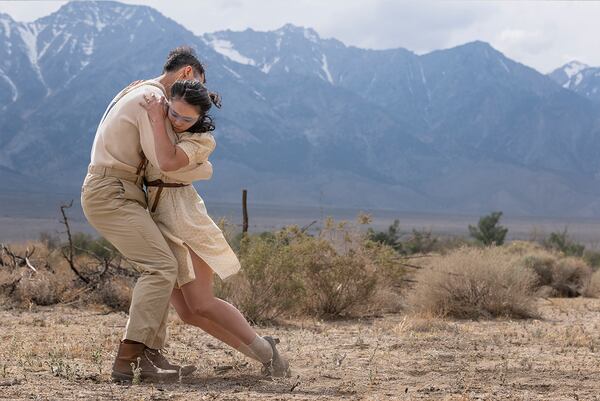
(114,203)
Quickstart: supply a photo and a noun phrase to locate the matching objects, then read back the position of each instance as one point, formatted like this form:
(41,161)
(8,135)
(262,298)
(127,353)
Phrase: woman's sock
(261,349)
(244,349)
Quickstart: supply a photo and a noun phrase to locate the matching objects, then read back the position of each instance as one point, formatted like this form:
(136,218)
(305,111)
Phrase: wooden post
(244,211)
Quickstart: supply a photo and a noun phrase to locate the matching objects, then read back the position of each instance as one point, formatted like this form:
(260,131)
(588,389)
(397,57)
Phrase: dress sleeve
(197,147)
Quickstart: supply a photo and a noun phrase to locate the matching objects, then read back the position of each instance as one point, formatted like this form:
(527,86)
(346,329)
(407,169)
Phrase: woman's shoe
(278,366)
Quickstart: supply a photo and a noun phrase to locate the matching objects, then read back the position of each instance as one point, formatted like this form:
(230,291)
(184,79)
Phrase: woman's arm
(170,157)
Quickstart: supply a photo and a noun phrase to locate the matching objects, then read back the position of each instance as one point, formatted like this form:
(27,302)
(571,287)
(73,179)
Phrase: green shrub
(560,241)
(488,231)
(421,242)
(391,237)
(100,247)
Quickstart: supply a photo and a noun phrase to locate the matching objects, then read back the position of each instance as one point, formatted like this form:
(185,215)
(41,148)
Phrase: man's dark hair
(182,56)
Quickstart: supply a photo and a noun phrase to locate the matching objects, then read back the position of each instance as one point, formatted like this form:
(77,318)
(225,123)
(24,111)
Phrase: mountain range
(308,120)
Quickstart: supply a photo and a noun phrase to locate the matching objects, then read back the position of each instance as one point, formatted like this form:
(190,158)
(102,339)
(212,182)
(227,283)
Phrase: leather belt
(160,184)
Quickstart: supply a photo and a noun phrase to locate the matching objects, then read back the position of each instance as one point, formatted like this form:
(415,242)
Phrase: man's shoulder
(134,96)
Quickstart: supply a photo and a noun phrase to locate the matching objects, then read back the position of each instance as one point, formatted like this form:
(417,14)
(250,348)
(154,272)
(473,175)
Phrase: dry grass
(557,275)
(475,283)
(62,353)
(592,288)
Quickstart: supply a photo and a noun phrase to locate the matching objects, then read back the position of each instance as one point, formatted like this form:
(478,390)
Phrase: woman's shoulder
(205,139)
(197,147)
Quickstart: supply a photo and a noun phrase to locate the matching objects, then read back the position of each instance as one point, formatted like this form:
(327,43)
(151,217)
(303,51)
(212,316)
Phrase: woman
(196,241)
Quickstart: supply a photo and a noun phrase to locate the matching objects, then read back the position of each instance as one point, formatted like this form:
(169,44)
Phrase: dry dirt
(61,353)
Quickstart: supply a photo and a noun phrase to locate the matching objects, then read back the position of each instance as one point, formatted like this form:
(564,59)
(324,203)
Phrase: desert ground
(62,353)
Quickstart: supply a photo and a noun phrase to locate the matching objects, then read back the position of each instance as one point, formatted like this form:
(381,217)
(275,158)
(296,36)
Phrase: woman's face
(182,115)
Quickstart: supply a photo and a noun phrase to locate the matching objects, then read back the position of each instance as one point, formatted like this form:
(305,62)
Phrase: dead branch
(411,266)
(17,260)
(306,227)
(69,252)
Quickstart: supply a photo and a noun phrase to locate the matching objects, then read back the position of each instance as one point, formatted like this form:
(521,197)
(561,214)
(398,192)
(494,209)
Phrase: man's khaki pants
(114,203)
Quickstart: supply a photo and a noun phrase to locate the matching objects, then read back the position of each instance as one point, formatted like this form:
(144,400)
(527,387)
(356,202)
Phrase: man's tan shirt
(125,135)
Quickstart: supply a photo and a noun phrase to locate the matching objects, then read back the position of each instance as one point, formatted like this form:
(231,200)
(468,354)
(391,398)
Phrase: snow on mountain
(325,68)
(225,48)
(579,78)
(13,87)
(574,67)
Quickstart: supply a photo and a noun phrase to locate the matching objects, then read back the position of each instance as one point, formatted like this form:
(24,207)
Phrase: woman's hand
(155,106)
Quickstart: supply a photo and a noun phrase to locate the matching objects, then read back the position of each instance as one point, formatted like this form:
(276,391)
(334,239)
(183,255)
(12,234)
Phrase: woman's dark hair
(195,93)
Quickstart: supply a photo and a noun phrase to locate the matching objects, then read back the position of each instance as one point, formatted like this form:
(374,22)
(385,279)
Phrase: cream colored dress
(181,216)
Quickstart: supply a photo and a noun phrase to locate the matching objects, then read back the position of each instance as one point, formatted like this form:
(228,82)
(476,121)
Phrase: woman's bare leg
(201,301)
(196,310)
(210,327)
(197,305)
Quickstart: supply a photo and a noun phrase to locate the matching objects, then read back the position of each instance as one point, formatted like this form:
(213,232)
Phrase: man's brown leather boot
(148,370)
(161,361)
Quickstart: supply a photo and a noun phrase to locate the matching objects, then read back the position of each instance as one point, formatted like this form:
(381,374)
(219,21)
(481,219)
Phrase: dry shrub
(338,273)
(114,292)
(475,283)
(570,276)
(41,288)
(268,284)
(54,281)
(557,275)
(542,263)
(336,284)
(347,274)
(592,289)
(289,272)
(523,247)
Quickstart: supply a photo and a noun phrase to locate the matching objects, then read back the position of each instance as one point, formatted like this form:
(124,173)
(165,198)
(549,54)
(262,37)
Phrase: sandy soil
(61,353)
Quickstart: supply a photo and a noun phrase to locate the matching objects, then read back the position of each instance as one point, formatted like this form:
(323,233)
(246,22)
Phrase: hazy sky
(541,34)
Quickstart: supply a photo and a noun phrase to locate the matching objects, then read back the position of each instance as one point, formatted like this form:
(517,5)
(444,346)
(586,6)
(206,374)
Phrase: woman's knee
(203,307)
